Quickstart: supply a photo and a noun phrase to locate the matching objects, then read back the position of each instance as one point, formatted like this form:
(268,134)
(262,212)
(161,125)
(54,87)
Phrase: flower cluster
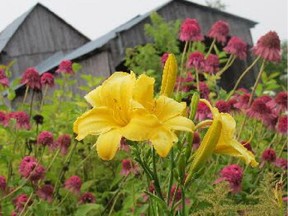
(30,169)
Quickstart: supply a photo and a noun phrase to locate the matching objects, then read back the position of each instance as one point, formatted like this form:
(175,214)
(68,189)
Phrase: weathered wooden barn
(102,56)
(35,36)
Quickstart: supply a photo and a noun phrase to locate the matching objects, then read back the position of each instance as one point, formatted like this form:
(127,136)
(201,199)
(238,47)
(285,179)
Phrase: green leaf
(76,67)
(159,201)
(85,209)
(11,94)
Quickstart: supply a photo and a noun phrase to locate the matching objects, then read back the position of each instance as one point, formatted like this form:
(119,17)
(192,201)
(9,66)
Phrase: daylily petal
(228,128)
(140,126)
(94,122)
(180,123)
(162,140)
(167,108)
(236,149)
(108,143)
(144,91)
(94,97)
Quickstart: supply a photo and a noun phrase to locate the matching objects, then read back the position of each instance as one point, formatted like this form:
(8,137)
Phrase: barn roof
(98,43)
(7,34)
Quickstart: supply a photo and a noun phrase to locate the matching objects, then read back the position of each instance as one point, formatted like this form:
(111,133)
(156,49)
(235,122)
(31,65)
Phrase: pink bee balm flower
(65,67)
(184,84)
(259,110)
(30,169)
(73,184)
(219,31)
(223,106)
(190,30)
(3,183)
(47,79)
(64,142)
(233,174)
(236,47)
(21,201)
(45,138)
(203,112)
(3,78)
(46,192)
(196,140)
(4,118)
(87,198)
(31,78)
(282,125)
(196,60)
(204,90)
(164,58)
(281,163)
(128,167)
(22,119)
(268,47)
(242,101)
(280,102)
(269,155)
(212,64)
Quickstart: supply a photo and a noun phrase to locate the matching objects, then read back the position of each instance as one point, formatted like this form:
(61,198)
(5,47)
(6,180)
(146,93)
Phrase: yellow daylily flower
(220,139)
(114,114)
(168,112)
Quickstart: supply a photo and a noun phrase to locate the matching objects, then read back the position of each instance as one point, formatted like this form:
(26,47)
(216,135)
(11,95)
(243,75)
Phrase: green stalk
(210,48)
(171,175)
(156,180)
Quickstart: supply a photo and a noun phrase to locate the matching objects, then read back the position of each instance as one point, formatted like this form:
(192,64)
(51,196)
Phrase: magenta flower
(21,201)
(46,193)
(164,58)
(204,90)
(31,78)
(47,79)
(65,67)
(45,138)
(64,142)
(282,125)
(212,64)
(3,78)
(268,47)
(203,112)
(30,169)
(87,198)
(269,155)
(22,119)
(233,174)
(196,140)
(281,163)
(190,30)
(196,60)
(223,106)
(242,101)
(219,31)
(184,84)
(128,167)
(123,145)
(3,184)
(236,47)
(259,110)
(4,118)
(280,102)
(73,184)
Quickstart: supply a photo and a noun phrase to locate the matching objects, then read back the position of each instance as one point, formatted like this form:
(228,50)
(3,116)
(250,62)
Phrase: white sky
(95,18)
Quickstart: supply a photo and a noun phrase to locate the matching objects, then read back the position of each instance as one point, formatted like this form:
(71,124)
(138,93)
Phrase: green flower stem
(155,176)
(143,164)
(26,93)
(210,48)
(43,96)
(251,96)
(53,160)
(241,77)
(197,80)
(171,175)
(31,104)
(183,199)
(228,64)
(182,58)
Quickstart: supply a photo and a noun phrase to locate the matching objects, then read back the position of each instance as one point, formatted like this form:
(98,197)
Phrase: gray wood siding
(41,35)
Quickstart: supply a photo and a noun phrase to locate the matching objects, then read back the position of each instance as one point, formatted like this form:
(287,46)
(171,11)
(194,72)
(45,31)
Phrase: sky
(95,18)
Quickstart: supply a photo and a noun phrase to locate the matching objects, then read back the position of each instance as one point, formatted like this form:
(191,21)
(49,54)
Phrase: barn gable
(35,36)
